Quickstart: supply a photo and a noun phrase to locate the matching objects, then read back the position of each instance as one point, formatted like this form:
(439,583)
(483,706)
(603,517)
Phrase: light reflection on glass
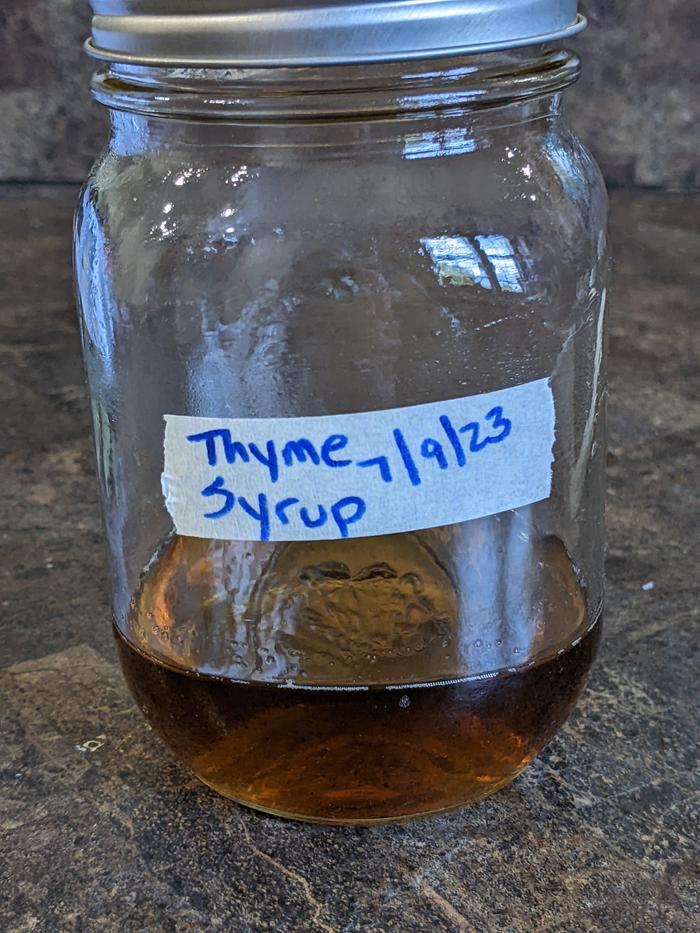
(451,75)
(163,230)
(99,313)
(188,174)
(485,261)
(237,176)
(441,143)
(561,160)
(456,261)
(501,258)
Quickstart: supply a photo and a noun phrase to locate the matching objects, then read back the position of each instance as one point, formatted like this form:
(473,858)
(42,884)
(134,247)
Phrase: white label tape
(371,473)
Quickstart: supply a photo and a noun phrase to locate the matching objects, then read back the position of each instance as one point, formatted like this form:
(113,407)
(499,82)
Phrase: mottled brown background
(636,106)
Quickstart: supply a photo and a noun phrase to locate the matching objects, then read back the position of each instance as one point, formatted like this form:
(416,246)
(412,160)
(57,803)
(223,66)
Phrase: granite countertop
(103,830)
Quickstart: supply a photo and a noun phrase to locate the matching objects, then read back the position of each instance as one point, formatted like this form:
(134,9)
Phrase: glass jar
(343,332)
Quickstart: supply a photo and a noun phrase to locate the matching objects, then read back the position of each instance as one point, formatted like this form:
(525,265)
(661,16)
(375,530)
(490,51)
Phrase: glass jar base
(377,754)
(370,821)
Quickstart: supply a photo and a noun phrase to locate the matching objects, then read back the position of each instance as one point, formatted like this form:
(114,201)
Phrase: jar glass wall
(325,242)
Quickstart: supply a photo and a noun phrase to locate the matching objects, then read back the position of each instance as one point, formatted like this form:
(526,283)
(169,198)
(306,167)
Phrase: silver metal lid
(265,33)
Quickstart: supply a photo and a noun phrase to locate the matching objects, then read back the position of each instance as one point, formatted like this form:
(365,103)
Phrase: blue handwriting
(451,446)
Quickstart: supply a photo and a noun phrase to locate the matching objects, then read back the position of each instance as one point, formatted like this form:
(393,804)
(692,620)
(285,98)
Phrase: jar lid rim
(280,33)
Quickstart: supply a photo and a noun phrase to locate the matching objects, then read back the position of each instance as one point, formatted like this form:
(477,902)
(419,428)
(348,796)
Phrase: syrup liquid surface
(356,681)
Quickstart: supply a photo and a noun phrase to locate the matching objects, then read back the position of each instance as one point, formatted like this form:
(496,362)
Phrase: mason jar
(341,275)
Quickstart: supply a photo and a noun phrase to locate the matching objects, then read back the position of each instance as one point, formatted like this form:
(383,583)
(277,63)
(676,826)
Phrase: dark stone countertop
(103,830)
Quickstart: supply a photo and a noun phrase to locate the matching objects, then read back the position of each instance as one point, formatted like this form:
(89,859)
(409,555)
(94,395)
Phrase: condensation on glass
(263,243)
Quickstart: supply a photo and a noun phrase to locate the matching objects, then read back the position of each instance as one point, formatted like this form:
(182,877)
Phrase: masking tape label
(355,475)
